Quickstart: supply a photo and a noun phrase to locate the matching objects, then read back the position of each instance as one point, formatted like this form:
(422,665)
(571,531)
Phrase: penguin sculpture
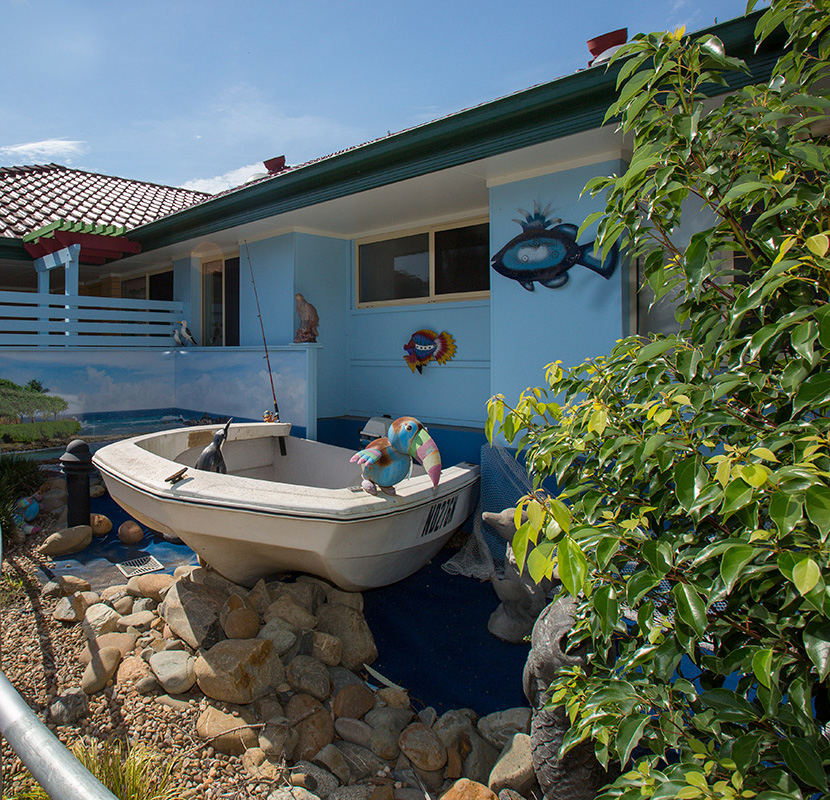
(211,458)
(388,460)
(185,333)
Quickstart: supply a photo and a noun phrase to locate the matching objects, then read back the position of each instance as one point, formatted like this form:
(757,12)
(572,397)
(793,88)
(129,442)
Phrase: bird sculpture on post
(211,458)
(309,320)
(177,338)
(185,334)
(388,460)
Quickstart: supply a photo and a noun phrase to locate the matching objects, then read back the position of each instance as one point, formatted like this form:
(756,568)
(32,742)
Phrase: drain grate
(140,566)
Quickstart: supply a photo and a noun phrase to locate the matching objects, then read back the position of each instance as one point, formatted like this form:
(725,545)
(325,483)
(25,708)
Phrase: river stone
(353,700)
(354,730)
(313,724)
(280,633)
(481,759)
(241,623)
(465,789)
(326,648)
(394,698)
(205,576)
(304,593)
(331,759)
(395,719)
(239,670)
(192,612)
(113,593)
(51,589)
(69,707)
(340,677)
(130,532)
(325,781)
(428,716)
(358,791)
(123,605)
(133,670)
(351,599)
(286,608)
(307,675)
(348,625)
(153,585)
(144,604)
(292,793)
(498,728)
(100,619)
(451,725)
(362,762)
(125,642)
(69,609)
(100,524)
(259,598)
(174,669)
(422,746)
(220,727)
(140,621)
(279,738)
(100,670)
(72,583)
(66,541)
(514,767)
(384,743)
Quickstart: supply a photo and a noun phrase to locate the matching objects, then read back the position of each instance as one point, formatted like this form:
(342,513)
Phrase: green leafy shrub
(30,432)
(694,469)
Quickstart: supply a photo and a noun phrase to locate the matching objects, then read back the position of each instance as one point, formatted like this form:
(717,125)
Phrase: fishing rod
(262,328)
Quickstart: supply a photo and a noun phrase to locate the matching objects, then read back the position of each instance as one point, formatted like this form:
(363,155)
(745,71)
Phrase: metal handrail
(51,764)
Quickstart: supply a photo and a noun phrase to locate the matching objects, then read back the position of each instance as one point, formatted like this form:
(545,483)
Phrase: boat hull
(248,528)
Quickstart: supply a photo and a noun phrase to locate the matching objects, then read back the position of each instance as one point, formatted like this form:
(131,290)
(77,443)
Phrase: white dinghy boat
(285,505)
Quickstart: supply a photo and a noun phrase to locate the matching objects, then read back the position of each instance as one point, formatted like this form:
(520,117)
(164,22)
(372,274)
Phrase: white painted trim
(552,169)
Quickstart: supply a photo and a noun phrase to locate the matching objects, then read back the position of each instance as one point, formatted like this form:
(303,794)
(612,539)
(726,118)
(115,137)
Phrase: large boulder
(192,611)
(66,541)
(100,670)
(239,670)
(348,625)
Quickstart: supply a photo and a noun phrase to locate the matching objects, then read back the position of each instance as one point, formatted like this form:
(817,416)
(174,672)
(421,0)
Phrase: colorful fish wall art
(425,345)
(545,250)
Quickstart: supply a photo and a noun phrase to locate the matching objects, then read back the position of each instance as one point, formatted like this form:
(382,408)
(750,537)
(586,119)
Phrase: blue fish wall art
(545,250)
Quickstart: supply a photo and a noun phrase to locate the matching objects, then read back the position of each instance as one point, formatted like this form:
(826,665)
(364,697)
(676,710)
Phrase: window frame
(432,297)
(223,258)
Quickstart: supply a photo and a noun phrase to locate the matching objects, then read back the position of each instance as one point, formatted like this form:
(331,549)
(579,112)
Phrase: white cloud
(234,177)
(45,150)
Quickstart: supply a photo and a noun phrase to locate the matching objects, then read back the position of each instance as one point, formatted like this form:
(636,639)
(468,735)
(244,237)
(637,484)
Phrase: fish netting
(504,480)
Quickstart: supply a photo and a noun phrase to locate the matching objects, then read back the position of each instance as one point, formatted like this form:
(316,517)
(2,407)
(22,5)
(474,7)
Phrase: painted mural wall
(583,317)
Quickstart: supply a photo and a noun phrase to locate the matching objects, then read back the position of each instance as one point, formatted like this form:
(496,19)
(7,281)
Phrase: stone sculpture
(522,599)
(578,775)
(309,320)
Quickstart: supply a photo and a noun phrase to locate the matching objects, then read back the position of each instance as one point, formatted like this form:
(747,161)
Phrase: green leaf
(730,706)
(733,562)
(818,244)
(813,393)
(817,505)
(606,603)
(816,638)
(690,607)
(628,736)
(806,574)
(754,474)
(639,585)
(651,351)
(606,549)
(573,566)
(804,761)
(689,477)
(736,496)
(762,666)
(785,511)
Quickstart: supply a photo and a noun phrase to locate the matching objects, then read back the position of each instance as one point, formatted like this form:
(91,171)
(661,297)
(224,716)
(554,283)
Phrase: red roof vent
(602,44)
(275,164)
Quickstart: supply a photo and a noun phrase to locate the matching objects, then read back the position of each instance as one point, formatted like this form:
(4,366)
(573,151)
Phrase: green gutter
(574,104)
(13,250)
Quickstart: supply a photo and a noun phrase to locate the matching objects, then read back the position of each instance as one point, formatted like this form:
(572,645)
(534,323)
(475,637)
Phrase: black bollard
(76,464)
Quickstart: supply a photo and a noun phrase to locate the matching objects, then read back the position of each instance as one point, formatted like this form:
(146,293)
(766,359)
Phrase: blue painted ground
(430,629)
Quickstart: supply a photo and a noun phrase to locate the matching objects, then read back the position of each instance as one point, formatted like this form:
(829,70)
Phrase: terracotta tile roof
(33,196)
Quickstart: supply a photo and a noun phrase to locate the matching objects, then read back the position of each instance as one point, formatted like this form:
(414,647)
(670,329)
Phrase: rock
(172,702)
(384,743)
(123,605)
(70,584)
(307,675)
(69,707)
(51,589)
(132,670)
(140,621)
(146,684)
(509,794)
(130,532)
(100,669)
(353,700)
(205,576)
(313,724)
(351,628)
(455,766)
(268,707)
(394,698)
(359,791)
(154,585)
(331,759)
(252,759)
(480,760)
(354,730)
(69,609)
(308,594)
(292,793)
(498,728)
(174,670)
(259,598)
(100,524)
(221,729)
(192,612)
(422,746)
(113,593)
(100,619)
(241,623)
(514,767)
(465,789)
(89,599)
(351,599)
(324,782)
(340,677)
(125,642)
(286,608)
(428,716)
(280,633)
(239,670)
(66,541)
(278,738)
(144,604)
(362,762)
(53,500)
(451,725)
(97,490)
(394,718)
(326,648)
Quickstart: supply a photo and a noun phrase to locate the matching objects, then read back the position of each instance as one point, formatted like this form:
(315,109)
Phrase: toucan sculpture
(388,460)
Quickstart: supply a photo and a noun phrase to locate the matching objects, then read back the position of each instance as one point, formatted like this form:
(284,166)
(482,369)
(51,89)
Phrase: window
(447,263)
(220,302)
(152,286)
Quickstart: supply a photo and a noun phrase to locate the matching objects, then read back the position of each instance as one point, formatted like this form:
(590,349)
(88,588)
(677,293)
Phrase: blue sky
(198,93)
